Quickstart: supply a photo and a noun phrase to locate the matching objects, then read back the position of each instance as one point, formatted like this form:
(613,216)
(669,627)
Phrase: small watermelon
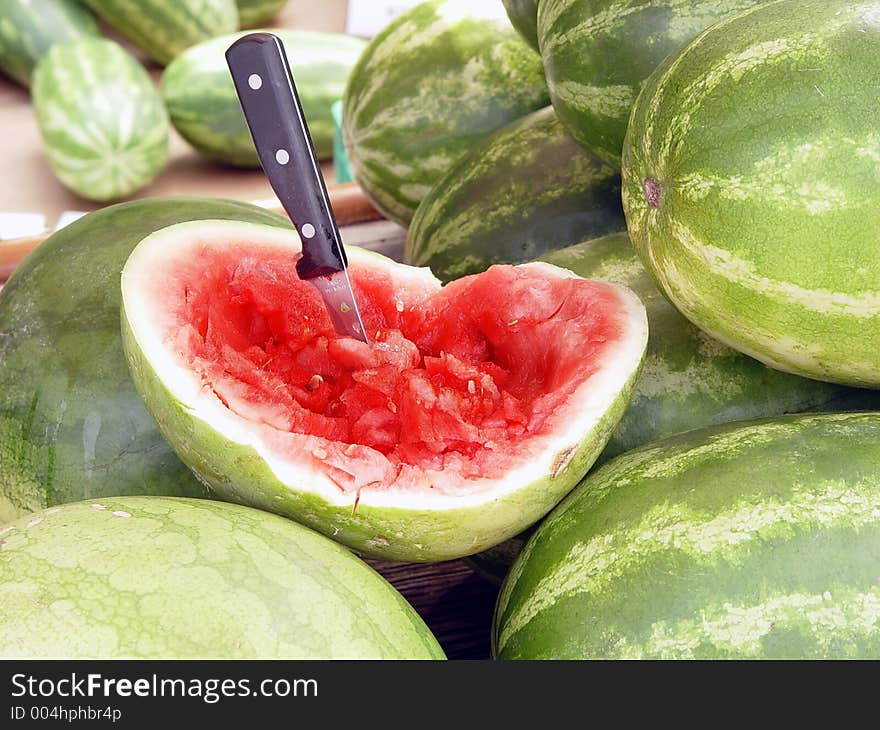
(165,578)
(28,28)
(204,107)
(165,28)
(474,409)
(755,540)
(751,175)
(103,124)
(439,79)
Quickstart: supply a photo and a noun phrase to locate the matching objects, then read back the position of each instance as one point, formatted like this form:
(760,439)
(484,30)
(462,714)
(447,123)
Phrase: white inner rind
(150,324)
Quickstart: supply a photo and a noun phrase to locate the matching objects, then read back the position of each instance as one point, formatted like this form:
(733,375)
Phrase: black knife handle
(271,106)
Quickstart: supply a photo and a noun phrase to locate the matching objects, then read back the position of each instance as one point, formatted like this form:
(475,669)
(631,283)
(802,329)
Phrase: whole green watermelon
(165,28)
(751,175)
(103,125)
(523,16)
(204,107)
(29,28)
(598,53)
(438,80)
(752,540)
(166,578)
(526,190)
(72,426)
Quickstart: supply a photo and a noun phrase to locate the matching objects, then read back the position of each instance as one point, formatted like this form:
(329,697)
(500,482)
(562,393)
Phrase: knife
(271,107)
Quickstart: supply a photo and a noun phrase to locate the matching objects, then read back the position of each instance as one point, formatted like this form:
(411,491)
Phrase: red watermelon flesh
(462,381)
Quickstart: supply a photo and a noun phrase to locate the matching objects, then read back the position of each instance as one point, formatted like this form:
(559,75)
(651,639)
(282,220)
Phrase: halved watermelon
(474,410)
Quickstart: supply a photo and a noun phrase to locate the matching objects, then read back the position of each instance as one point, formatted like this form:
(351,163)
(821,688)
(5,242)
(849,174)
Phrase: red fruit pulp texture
(463,380)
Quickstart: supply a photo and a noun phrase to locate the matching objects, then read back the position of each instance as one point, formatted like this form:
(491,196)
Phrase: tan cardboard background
(28,185)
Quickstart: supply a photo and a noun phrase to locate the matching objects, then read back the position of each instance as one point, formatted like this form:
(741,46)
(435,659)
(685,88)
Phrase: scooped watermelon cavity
(473,409)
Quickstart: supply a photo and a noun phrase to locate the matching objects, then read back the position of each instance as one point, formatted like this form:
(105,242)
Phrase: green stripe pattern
(252,13)
(523,16)
(204,107)
(72,426)
(165,28)
(152,577)
(752,540)
(103,124)
(439,79)
(526,190)
(598,53)
(690,380)
(28,28)
(758,147)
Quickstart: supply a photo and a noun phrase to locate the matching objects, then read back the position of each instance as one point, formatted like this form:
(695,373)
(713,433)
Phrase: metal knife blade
(341,305)
(271,106)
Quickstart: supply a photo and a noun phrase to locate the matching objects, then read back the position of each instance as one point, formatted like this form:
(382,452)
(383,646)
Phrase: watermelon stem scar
(488,384)
(651,188)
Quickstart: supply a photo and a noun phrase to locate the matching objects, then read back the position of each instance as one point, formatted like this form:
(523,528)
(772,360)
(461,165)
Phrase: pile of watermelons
(644,399)
(105,124)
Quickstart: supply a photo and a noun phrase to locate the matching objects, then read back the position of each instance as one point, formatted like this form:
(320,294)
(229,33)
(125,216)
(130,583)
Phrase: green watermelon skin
(688,380)
(165,578)
(103,125)
(252,13)
(165,28)
(72,426)
(752,540)
(28,28)
(438,80)
(787,89)
(204,107)
(523,16)
(526,190)
(598,53)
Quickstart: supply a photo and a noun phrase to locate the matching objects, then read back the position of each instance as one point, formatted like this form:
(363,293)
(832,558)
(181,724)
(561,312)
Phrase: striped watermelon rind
(253,13)
(523,16)
(431,85)
(103,124)
(204,107)
(165,28)
(165,578)
(527,189)
(598,54)
(28,28)
(790,89)
(752,540)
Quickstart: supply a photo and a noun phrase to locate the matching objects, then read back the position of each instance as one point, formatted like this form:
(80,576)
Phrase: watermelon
(527,189)
(597,55)
(252,13)
(165,28)
(523,16)
(688,379)
(475,408)
(789,88)
(28,28)
(165,578)
(72,426)
(204,107)
(440,78)
(752,540)
(103,124)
